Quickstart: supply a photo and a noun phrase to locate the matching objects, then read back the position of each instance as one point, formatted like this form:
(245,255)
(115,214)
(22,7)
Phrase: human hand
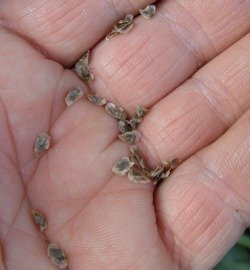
(100,220)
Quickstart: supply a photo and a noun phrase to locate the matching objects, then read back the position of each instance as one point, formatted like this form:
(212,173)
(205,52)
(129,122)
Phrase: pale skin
(100,220)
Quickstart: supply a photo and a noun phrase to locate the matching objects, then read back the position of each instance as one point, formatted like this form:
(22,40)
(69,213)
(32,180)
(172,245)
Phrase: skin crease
(190,66)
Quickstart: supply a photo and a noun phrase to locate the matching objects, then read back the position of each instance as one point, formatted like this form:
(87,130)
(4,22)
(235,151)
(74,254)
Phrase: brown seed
(140,112)
(122,166)
(83,70)
(171,164)
(42,143)
(116,111)
(135,175)
(97,100)
(148,12)
(134,122)
(122,27)
(124,126)
(130,137)
(57,256)
(39,219)
(136,157)
(74,95)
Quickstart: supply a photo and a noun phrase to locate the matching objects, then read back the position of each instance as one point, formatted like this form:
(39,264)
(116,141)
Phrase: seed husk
(135,175)
(97,100)
(57,256)
(134,122)
(39,219)
(42,143)
(116,111)
(122,27)
(148,12)
(74,95)
(83,69)
(130,137)
(122,166)
(140,112)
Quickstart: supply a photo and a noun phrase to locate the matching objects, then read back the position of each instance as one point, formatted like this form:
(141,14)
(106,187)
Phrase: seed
(116,111)
(57,256)
(134,122)
(39,219)
(136,158)
(124,126)
(73,95)
(83,70)
(122,27)
(171,164)
(136,176)
(122,166)
(130,137)
(148,12)
(42,143)
(140,112)
(97,100)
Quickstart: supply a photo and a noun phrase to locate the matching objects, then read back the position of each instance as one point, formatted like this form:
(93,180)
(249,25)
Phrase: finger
(206,201)
(202,109)
(144,65)
(65,29)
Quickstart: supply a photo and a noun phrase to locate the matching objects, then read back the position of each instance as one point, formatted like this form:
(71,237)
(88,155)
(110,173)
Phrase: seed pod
(136,176)
(116,111)
(39,219)
(57,256)
(83,70)
(97,100)
(124,126)
(134,122)
(140,112)
(148,12)
(122,27)
(130,137)
(122,166)
(42,143)
(74,95)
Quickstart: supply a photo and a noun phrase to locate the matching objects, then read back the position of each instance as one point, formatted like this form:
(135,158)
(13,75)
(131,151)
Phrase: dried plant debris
(148,12)
(39,219)
(135,175)
(122,166)
(83,69)
(57,256)
(42,143)
(140,112)
(131,137)
(74,95)
(97,100)
(116,111)
(122,27)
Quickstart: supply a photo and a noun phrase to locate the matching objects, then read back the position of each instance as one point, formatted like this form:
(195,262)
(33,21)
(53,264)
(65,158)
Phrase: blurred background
(238,258)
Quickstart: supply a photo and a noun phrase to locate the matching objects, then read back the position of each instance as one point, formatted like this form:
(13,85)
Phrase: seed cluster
(134,166)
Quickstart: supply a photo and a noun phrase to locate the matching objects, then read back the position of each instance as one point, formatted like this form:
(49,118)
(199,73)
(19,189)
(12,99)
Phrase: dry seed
(97,100)
(73,95)
(122,27)
(140,112)
(134,122)
(83,70)
(136,176)
(122,166)
(171,164)
(42,143)
(148,12)
(39,219)
(136,158)
(57,256)
(116,111)
(124,126)
(130,137)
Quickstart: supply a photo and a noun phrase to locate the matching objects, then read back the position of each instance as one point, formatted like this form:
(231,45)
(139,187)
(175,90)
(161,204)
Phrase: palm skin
(100,220)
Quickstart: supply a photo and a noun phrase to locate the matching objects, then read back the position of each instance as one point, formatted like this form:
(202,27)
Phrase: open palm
(100,220)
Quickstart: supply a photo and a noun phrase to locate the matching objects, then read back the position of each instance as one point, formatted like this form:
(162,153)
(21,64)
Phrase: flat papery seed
(148,12)
(136,176)
(134,122)
(42,143)
(130,137)
(136,157)
(83,70)
(124,126)
(39,219)
(140,112)
(171,164)
(122,166)
(57,256)
(116,111)
(74,95)
(97,100)
(85,57)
